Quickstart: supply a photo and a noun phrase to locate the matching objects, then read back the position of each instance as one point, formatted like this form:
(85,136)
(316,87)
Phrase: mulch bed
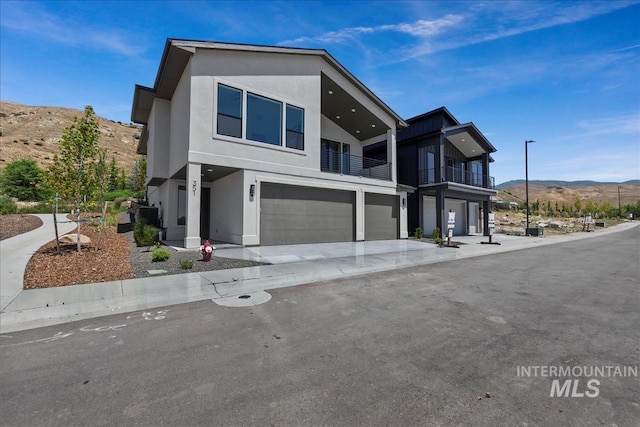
(111,255)
(105,259)
(13,225)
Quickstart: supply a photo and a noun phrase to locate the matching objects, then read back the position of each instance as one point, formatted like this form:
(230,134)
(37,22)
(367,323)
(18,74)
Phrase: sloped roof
(177,53)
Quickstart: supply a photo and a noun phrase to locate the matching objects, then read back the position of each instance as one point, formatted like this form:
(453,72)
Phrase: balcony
(457,175)
(346,164)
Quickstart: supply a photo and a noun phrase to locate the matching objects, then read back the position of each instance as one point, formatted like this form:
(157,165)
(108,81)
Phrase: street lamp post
(526,178)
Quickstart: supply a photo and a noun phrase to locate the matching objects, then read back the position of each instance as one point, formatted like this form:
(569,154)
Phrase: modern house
(261,145)
(448,162)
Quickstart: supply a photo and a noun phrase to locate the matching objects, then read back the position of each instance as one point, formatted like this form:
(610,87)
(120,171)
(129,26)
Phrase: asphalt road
(416,346)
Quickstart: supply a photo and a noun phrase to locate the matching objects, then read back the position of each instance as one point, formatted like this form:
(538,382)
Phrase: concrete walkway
(16,252)
(292,265)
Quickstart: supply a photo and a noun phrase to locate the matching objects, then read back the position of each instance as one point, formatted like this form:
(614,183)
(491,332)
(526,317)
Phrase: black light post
(526,178)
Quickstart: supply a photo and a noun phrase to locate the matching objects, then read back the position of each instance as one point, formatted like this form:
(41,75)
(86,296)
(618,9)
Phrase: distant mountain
(555,183)
(34,133)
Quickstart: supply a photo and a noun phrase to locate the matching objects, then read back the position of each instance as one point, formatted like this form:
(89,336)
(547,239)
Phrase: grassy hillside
(34,133)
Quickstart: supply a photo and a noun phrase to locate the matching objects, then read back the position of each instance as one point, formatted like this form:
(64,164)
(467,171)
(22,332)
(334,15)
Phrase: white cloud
(420,28)
(479,23)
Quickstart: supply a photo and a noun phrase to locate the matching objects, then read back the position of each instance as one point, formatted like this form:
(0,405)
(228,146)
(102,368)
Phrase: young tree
(590,207)
(139,174)
(23,179)
(578,205)
(114,173)
(72,175)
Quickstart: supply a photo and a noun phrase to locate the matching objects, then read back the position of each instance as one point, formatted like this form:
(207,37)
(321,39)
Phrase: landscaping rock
(73,238)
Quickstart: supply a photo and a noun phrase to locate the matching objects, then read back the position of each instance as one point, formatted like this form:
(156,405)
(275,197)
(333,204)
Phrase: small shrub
(435,234)
(111,221)
(124,194)
(7,205)
(438,240)
(419,233)
(40,208)
(160,255)
(156,246)
(144,234)
(186,264)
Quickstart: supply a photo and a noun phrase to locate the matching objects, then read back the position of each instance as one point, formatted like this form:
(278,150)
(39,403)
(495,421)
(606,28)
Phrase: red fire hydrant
(207,251)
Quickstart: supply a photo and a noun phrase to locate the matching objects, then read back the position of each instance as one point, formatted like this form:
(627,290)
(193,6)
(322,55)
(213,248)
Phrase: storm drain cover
(244,300)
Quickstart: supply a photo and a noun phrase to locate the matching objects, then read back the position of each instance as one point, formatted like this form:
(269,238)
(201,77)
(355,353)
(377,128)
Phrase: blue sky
(565,74)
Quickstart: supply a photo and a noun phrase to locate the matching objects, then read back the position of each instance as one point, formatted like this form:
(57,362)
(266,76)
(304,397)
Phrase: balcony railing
(460,176)
(347,164)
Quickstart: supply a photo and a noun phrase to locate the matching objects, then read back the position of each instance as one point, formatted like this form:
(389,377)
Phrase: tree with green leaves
(590,207)
(73,174)
(139,174)
(578,205)
(113,175)
(24,180)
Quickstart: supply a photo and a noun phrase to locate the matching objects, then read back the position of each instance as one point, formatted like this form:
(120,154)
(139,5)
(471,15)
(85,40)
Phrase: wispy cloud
(477,24)
(30,20)
(622,125)
(420,28)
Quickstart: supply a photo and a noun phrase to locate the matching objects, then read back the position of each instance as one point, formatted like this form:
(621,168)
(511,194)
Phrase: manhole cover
(244,300)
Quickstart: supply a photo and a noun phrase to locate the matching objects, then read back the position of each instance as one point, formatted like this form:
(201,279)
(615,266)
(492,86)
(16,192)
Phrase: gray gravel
(141,263)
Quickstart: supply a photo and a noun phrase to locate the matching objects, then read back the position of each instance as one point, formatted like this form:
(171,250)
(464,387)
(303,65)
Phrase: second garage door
(292,214)
(380,217)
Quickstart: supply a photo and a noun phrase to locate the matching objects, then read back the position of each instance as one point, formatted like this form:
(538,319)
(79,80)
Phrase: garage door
(380,217)
(292,214)
(460,208)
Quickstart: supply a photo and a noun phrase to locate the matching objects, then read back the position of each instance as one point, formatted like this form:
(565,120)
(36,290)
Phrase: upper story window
(295,127)
(229,111)
(266,120)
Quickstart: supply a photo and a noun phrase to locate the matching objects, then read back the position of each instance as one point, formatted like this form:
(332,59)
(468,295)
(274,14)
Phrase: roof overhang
(463,189)
(468,140)
(177,53)
(405,188)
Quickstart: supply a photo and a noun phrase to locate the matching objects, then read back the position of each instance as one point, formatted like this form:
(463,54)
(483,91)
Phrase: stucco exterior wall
(159,132)
(180,120)
(227,198)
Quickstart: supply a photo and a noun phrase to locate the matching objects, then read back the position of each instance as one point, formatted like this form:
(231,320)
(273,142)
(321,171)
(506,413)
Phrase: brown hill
(34,133)
(629,194)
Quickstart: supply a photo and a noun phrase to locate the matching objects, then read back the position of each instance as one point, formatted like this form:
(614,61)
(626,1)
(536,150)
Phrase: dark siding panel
(408,165)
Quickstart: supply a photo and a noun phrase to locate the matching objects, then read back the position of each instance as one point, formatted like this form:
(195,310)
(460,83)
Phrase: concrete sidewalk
(16,252)
(293,265)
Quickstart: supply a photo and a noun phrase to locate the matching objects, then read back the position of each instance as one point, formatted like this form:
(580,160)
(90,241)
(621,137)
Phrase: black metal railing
(346,164)
(458,175)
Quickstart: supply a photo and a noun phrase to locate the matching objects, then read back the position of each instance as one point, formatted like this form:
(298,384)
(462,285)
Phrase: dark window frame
(229,116)
(288,130)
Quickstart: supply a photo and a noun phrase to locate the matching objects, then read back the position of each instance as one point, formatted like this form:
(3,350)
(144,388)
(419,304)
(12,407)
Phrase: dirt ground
(514,223)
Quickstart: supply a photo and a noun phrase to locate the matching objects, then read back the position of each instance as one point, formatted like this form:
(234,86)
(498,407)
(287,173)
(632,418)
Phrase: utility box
(149,214)
(535,231)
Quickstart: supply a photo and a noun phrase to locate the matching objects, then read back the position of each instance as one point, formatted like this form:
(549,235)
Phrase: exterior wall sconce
(194,186)
(404,203)
(252,190)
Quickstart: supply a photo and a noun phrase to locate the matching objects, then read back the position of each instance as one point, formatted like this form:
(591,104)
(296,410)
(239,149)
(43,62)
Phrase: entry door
(205,212)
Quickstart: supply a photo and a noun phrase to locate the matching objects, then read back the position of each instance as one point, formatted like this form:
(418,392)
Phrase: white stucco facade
(214,181)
